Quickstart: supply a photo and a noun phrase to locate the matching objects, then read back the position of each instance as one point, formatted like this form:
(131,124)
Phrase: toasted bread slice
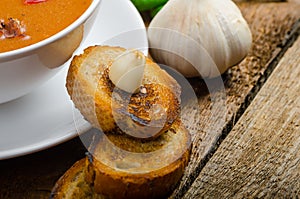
(145,115)
(132,169)
(72,184)
(123,167)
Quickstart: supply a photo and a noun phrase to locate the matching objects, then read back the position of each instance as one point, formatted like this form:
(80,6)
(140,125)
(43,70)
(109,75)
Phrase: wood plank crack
(275,26)
(261,155)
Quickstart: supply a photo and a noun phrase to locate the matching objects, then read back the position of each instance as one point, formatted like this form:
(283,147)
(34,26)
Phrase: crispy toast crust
(139,170)
(72,184)
(125,172)
(75,183)
(91,178)
(145,115)
(156,184)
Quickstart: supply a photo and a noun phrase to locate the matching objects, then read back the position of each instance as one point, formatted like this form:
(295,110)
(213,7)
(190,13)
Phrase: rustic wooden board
(272,25)
(33,176)
(261,155)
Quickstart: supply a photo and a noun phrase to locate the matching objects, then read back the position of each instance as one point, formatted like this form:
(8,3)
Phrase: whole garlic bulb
(199,37)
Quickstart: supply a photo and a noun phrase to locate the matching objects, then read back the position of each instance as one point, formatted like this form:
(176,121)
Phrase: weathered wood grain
(33,176)
(271,25)
(261,155)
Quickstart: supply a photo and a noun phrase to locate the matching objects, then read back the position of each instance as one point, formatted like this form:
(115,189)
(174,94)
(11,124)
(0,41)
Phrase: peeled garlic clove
(126,71)
(199,37)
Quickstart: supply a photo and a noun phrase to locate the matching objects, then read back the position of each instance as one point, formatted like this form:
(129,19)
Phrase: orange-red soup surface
(40,20)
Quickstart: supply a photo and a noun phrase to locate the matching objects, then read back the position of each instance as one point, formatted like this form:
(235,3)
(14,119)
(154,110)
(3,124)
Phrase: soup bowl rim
(24,51)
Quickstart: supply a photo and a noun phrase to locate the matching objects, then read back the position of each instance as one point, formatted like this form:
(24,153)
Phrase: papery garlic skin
(199,37)
(127,70)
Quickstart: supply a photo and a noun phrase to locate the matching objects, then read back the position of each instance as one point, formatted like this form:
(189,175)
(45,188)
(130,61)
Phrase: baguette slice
(122,167)
(73,185)
(115,174)
(142,115)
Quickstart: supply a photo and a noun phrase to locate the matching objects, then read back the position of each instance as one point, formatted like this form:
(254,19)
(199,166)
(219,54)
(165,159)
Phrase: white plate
(45,117)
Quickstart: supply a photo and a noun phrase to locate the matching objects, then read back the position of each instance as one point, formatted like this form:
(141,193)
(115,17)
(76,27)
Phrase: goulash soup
(25,22)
